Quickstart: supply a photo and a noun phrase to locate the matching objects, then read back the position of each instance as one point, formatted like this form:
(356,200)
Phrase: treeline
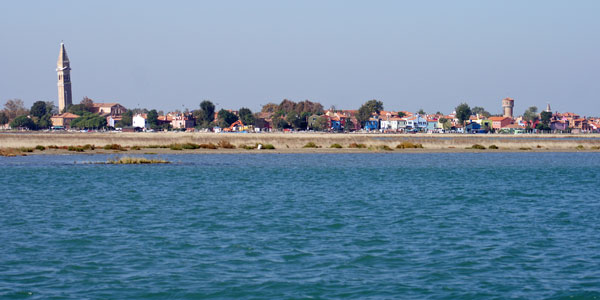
(17,116)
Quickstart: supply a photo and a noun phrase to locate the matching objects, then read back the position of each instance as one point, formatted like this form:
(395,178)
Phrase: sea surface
(302,226)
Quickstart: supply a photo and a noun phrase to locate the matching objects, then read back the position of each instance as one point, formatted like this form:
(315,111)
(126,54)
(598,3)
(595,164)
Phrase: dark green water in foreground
(350,226)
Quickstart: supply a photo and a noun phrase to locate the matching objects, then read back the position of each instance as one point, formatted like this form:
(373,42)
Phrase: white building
(139,121)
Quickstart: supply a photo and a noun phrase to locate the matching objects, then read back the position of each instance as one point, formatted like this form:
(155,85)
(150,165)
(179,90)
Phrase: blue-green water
(323,226)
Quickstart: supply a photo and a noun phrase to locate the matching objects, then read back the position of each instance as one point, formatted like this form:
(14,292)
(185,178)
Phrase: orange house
(499,122)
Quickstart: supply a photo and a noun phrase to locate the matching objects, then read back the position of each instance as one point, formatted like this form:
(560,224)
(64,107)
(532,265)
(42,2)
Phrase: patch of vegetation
(580,147)
(595,148)
(538,146)
(477,146)
(11,152)
(524,148)
(176,147)
(158,146)
(40,147)
(150,153)
(268,147)
(493,147)
(89,147)
(76,148)
(114,147)
(226,144)
(408,145)
(135,161)
(53,147)
(136,148)
(247,147)
(358,146)
(338,146)
(208,146)
(310,145)
(385,148)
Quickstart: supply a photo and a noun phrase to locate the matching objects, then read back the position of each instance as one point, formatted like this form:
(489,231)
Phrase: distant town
(92,115)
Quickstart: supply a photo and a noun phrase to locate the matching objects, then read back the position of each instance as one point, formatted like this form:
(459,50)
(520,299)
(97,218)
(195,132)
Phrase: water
(323,226)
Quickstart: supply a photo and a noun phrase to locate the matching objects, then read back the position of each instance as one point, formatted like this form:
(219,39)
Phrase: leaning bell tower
(63,69)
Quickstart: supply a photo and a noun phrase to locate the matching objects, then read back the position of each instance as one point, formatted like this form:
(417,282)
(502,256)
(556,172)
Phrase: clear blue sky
(409,54)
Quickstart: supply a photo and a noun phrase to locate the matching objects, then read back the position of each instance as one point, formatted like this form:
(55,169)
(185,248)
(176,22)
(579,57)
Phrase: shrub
(338,146)
(493,147)
(75,148)
(595,148)
(385,147)
(114,147)
(310,145)
(248,147)
(225,144)
(477,146)
(26,149)
(408,145)
(10,152)
(538,146)
(88,147)
(176,147)
(524,148)
(190,146)
(580,147)
(268,147)
(208,146)
(136,148)
(40,147)
(53,147)
(355,145)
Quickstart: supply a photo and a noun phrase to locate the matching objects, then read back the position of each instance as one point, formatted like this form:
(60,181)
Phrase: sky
(411,55)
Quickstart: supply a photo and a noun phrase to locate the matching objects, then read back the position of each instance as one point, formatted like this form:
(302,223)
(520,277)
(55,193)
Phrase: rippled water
(369,226)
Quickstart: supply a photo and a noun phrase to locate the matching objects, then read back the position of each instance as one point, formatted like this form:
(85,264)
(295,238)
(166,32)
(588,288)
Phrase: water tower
(507,105)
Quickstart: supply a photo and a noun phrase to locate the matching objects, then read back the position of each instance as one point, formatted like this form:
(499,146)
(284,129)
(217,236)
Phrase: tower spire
(63,70)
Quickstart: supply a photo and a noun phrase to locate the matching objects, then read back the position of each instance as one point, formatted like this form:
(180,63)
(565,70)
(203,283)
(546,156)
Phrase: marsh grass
(11,152)
(477,146)
(337,146)
(114,147)
(310,145)
(357,146)
(408,145)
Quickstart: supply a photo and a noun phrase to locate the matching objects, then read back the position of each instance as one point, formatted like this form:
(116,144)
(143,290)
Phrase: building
(507,105)
(63,120)
(138,121)
(105,109)
(63,69)
(499,122)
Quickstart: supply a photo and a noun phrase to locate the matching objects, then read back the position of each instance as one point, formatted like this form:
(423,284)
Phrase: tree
(152,119)
(270,108)
(3,118)
(77,109)
(226,118)
(366,110)
(88,104)
(126,119)
(280,123)
(287,105)
(545,116)
(421,112)
(530,115)
(478,110)
(44,122)
(445,123)
(38,109)
(14,108)
(246,116)
(89,121)
(401,114)
(463,112)
(51,108)
(297,121)
(22,122)
(349,125)
(208,111)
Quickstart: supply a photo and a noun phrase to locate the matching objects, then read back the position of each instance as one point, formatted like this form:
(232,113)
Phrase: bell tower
(63,69)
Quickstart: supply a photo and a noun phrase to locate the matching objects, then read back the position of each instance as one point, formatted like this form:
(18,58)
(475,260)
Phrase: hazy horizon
(410,55)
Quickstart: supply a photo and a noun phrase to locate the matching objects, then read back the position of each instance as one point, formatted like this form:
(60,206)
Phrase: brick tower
(507,105)
(63,69)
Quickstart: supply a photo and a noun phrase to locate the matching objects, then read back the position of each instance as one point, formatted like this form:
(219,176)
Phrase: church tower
(63,69)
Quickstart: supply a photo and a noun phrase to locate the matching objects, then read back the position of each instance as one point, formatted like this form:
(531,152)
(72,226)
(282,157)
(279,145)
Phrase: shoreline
(295,142)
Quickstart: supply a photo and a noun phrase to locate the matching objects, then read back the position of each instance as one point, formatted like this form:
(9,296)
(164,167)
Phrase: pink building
(499,122)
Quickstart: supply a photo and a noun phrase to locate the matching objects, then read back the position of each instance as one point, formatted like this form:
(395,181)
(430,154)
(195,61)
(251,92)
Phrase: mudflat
(297,142)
